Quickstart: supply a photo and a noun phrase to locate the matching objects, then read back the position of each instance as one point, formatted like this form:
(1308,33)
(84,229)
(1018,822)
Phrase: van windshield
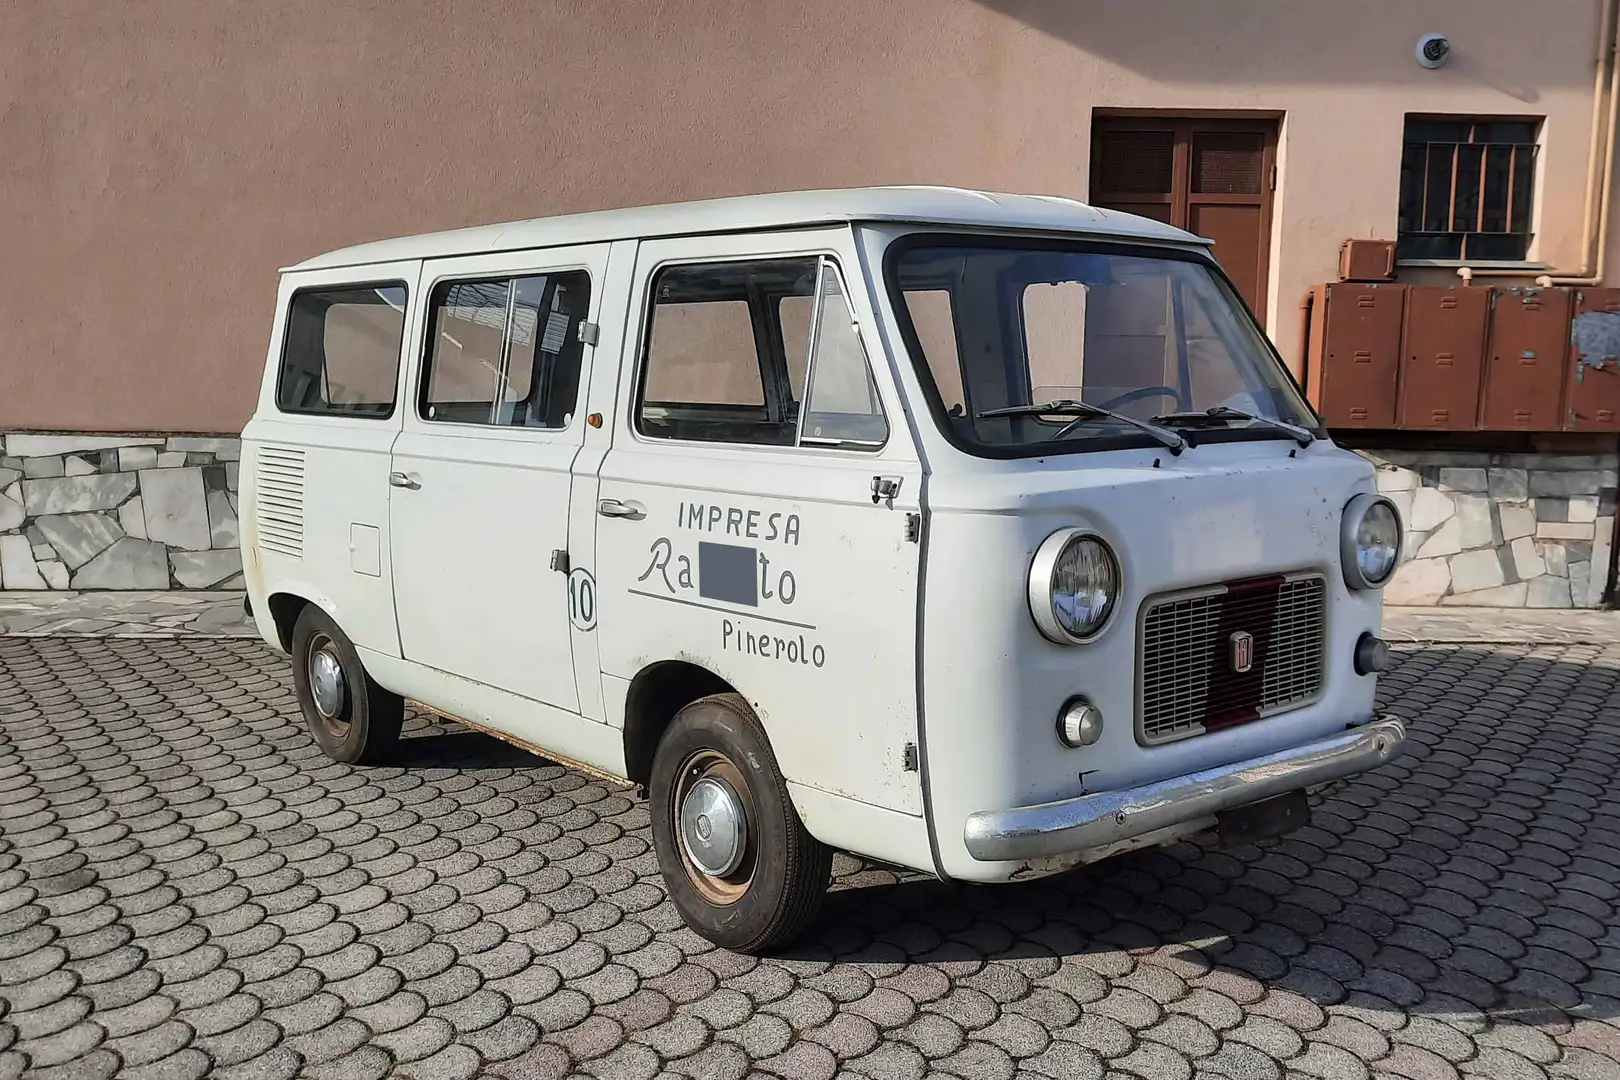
(1154,336)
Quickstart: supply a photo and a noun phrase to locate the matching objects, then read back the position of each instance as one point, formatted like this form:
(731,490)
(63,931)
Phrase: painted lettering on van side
(734,574)
(729,573)
(735,521)
(734,637)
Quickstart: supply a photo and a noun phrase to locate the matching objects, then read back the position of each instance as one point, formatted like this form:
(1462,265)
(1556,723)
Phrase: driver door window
(764,352)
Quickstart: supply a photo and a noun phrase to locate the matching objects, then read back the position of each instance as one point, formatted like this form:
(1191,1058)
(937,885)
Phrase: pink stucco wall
(159,161)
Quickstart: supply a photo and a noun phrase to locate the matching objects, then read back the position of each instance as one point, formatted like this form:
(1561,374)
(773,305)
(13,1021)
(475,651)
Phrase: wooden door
(1213,177)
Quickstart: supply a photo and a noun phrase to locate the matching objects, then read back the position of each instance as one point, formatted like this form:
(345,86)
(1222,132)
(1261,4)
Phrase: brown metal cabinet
(1367,260)
(1524,377)
(1355,353)
(1443,357)
(1593,373)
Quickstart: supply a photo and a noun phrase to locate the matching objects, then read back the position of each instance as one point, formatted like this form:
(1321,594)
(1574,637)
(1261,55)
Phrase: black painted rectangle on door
(726,573)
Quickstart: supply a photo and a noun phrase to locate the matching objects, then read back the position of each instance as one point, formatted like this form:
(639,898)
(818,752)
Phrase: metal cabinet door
(1593,397)
(1361,363)
(1524,376)
(1443,357)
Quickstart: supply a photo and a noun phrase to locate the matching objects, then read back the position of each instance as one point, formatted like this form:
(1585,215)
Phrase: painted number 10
(582,599)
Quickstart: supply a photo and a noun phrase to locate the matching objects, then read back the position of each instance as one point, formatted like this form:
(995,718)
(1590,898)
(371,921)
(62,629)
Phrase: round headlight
(1073,583)
(1371,544)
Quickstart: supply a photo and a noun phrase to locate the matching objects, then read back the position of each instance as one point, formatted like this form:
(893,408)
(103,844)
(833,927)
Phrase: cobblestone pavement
(188,888)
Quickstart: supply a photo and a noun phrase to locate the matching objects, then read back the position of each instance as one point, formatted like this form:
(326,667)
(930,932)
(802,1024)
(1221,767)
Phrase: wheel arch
(286,600)
(656,694)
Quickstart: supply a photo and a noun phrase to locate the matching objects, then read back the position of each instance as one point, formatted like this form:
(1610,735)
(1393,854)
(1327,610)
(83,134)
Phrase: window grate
(1228,163)
(1466,190)
(1136,162)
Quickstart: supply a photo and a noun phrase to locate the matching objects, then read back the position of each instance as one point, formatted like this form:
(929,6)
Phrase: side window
(842,406)
(703,351)
(341,352)
(714,369)
(506,351)
(735,351)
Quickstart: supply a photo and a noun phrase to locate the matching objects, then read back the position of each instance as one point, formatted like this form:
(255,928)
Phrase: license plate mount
(1264,820)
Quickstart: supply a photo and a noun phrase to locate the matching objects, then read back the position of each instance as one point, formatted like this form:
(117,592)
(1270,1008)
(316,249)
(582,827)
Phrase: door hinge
(913,527)
(589,332)
(1274,178)
(909,758)
(559,561)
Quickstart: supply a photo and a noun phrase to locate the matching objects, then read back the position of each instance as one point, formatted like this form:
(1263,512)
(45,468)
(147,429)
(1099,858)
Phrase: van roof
(920,204)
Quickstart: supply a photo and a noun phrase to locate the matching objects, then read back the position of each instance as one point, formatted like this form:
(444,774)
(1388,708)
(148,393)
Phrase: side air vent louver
(279,500)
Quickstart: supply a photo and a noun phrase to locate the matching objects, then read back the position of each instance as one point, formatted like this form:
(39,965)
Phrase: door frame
(593,259)
(803,767)
(1181,199)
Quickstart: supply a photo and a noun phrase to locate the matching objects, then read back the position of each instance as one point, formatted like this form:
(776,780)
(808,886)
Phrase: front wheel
(738,863)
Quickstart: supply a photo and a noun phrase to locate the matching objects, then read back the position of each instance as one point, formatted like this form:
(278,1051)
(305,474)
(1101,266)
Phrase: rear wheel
(739,864)
(352,718)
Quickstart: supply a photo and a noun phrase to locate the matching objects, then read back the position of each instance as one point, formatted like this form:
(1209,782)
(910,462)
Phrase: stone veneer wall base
(88,512)
(1501,530)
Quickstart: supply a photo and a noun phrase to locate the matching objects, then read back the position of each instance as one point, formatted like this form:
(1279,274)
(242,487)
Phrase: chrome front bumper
(1094,821)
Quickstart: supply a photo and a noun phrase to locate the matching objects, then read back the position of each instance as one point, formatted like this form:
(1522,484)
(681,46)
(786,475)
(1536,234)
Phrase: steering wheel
(1142,392)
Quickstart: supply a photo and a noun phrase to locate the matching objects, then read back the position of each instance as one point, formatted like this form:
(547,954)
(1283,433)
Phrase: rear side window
(341,353)
(506,351)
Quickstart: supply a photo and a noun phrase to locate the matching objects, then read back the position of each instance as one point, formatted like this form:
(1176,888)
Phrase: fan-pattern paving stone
(189,888)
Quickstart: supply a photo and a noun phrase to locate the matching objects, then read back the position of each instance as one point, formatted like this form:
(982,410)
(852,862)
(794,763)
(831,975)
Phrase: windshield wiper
(1224,412)
(1083,411)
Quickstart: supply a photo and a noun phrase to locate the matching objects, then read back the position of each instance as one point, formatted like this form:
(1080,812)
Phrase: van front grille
(278,499)
(1221,656)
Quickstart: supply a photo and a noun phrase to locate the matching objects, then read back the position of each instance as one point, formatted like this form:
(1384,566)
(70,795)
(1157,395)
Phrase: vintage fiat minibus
(974,533)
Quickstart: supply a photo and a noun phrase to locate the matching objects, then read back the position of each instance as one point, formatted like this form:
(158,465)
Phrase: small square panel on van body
(365,550)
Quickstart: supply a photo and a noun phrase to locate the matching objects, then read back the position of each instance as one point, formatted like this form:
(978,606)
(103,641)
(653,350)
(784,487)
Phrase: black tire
(776,892)
(363,731)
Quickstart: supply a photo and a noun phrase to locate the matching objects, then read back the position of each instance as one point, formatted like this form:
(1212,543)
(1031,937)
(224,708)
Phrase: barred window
(1466,188)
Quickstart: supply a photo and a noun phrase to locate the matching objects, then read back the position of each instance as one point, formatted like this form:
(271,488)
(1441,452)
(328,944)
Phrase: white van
(980,534)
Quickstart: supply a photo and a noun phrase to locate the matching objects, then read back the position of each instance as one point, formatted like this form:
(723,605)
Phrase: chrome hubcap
(326,683)
(714,828)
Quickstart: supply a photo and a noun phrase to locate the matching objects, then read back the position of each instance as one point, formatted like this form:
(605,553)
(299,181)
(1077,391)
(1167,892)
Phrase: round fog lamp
(1370,545)
(1080,723)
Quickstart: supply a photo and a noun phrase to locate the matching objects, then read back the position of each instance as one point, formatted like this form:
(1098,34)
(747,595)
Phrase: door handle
(399,479)
(615,508)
